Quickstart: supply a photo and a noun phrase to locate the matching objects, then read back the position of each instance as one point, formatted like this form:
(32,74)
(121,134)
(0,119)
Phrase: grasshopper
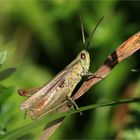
(52,95)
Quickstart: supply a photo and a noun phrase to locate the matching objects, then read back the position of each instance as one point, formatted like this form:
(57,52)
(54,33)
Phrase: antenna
(94,29)
(82,31)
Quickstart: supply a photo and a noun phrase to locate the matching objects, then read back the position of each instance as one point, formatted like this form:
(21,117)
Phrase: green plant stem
(24,129)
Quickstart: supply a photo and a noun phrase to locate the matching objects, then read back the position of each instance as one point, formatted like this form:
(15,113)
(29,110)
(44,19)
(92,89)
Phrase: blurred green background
(39,38)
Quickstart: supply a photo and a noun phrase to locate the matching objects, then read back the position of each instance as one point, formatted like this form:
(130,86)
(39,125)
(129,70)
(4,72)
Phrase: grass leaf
(27,128)
(3,56)
(6,73)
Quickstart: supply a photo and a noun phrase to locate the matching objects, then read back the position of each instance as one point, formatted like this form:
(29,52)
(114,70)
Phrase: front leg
(90,75)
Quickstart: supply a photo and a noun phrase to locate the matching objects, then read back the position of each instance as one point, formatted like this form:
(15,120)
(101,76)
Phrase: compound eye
(83,56)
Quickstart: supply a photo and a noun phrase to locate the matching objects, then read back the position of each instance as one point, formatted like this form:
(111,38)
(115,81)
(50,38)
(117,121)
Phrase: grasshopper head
(84,59)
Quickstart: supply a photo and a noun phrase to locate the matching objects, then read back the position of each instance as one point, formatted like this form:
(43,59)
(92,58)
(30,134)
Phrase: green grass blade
(3,56)
(27,128)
